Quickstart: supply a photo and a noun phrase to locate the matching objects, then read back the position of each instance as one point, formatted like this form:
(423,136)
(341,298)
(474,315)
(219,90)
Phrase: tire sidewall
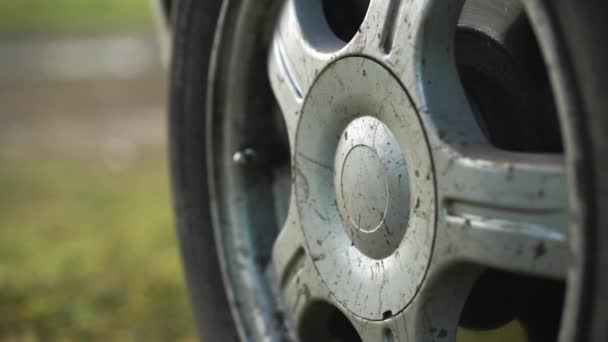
(582,27)
(194,29)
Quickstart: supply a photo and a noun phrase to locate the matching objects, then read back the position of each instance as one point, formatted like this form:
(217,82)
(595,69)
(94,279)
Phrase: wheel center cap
(372,187)
(364,187)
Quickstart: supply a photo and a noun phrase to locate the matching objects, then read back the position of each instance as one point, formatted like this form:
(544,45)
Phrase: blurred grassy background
(87,247)
(73,16)
(87,253)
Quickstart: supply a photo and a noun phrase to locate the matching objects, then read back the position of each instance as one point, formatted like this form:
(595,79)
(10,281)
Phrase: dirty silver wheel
(389,171)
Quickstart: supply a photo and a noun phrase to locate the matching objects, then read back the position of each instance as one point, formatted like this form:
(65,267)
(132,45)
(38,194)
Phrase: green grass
(73,16)
(88,254)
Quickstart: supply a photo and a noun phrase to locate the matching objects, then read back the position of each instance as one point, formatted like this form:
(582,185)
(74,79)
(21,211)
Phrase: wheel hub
(363,167)
(372,186)
(365,187)
(364,206)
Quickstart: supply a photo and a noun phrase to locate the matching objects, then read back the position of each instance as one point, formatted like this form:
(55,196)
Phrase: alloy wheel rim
(489,207)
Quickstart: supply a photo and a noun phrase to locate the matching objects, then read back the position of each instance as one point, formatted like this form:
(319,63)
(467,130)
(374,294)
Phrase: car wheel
(395,170)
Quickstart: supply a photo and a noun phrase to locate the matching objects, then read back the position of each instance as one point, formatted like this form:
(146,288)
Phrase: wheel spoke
(296,277)
(390,27)
(294,62)
(433,316)
(505,210)
(376,31)
(415,40)
(288,252)
(415,323)
(302,290)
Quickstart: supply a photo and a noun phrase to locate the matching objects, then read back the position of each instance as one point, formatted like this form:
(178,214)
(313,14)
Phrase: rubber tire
(583,27)
(194,27)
